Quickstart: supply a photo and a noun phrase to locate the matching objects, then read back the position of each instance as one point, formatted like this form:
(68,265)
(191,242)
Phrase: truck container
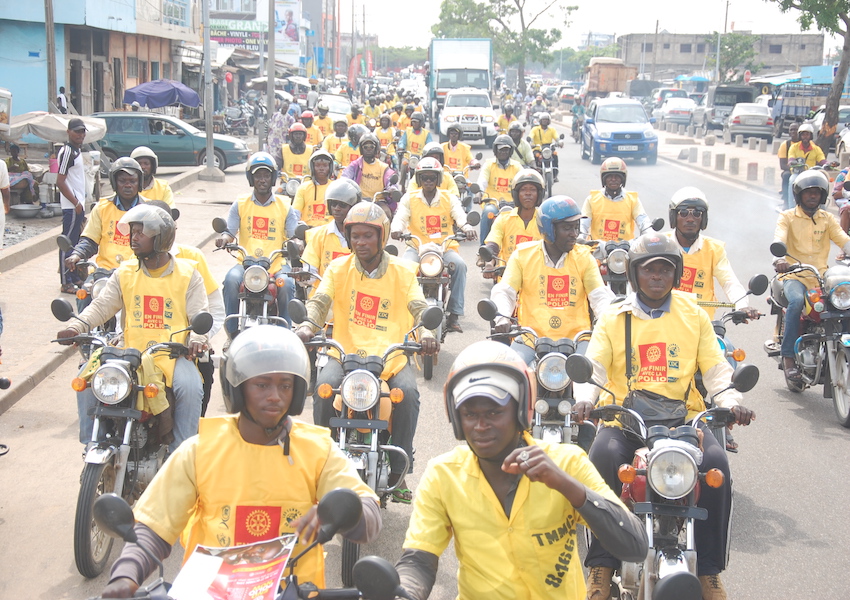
(794,101)
(457,63)
(606,75)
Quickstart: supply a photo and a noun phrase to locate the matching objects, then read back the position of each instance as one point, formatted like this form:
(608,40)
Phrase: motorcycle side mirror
(778,249)
(114,516)
(64,243)
(658,224)
(432,317)
(297,311)
(485,253)
(474,188)
(202,323)
(528,139)
(394,179)
(391,250)
(175,213)
(479,156)
(292,254)
(846,184)
(487,309)
(745,377)
(579,368)
(376,578)
(301,231)
(473,218)
(562,136)
(219,225)
(62,309)
(758,284)
(338,510)
(395,195)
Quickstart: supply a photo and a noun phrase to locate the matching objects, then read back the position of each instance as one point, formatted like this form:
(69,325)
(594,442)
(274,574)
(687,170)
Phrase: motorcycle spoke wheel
(350,555)
(841,387)
(91,545)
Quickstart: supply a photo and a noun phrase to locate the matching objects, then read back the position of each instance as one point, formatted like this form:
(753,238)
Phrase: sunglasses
(690,212)
(428,177)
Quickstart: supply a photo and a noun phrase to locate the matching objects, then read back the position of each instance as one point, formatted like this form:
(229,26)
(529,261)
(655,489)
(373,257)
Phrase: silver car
(675,110)
(750,120)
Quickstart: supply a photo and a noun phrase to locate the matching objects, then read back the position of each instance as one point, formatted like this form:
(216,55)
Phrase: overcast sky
(409,24)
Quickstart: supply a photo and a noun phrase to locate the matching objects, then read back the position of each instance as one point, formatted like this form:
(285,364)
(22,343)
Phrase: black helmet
(355,132)
(127,165)
(369,137)
(806,180)
(503,140)
(418,116)
(653,246)
(528,176)
(455,127)
(689,197)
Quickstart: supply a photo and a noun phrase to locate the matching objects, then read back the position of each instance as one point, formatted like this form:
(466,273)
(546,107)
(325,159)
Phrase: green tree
(575,62)
(737,54)
(463,19)
(832,16)
(397,58)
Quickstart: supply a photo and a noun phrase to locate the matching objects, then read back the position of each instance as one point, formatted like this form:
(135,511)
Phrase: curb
(719,174)
(42,369)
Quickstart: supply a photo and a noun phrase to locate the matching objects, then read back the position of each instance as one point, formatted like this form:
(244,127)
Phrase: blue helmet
(554,209)
(260,160)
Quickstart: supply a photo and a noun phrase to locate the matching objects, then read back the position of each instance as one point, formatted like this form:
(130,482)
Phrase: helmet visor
(153,219)
(497,386)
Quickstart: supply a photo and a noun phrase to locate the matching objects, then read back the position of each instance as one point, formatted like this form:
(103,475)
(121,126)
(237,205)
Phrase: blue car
(618,127)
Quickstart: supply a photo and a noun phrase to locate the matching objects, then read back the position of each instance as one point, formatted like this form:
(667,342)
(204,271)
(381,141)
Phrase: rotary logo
(152,317)
(653,354)
(366,303)
(557,291)
(555,322)
(433,224)
(259,228)
(258,523)
(612,230)
(687,282)
(258,252)
(260,222)
(558,284)
(365,310)
(153,304)
(653,362)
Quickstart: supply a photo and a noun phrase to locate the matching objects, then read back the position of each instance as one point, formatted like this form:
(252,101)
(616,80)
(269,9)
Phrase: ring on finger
(523,456)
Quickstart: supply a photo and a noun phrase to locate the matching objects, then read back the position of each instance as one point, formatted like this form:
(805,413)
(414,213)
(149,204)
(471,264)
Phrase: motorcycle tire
(550,180)
(350,555)
(840,382)
(92,546)
(428,367)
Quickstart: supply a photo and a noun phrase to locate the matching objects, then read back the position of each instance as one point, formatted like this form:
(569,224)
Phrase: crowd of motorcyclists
(356,183)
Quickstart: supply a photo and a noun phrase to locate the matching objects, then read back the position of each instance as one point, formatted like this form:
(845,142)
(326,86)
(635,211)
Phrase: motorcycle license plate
(628,148)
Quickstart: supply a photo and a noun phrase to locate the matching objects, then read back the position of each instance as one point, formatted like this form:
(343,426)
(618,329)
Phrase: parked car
(659,95)
(175,142)
(675,110)
(750,120)
(618,127)
(338,106)
(719,102)
(567,94)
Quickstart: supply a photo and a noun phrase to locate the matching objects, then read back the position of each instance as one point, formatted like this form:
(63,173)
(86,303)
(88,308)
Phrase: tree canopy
(737,54)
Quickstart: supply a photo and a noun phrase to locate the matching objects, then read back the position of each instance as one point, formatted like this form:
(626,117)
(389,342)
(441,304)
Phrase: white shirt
(71,165)
(4,175)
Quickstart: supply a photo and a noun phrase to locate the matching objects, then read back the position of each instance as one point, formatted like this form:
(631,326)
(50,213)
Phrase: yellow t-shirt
(434,222)
(385,136)
(541,136)
(325,125)
(372,178)
(296,165)
(807,239)
(323,246)
(698,272)
(113,247)
(346,154)
(611,220)
(448,183)
(192,253)
(398,120)
(531,554)
(310,202)
(500,181)
(262,229)
(458,158)
(503,123)
(509,231)
(351,120)
(314,136)
(371,112)
(159,190)
(206,491)
(332,143)
(812,157)
(416,141)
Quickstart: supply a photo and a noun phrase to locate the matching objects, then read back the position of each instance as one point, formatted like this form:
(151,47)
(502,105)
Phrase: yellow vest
(314,136)
(296,165)
(323,246)
(113,247)
(503,123)
(351,120)
(457,159)
(325,125)
(372,178)
(400,121)
(346,154)
(372,112)
(332,142)
(262,229)
(612,220)
(155,307)
(698,273)
(372,314)
(553,302)
(385,136)
(432,223)
(499,184)
(239,505)
(509,231)
(192,253)
(160,190)
(310,202)
(416,141)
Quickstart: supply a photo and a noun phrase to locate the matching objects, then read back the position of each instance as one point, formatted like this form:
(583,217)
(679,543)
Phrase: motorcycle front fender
(100,455)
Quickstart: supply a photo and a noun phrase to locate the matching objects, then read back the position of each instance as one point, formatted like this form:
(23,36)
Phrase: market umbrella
(52,127)
(162,92)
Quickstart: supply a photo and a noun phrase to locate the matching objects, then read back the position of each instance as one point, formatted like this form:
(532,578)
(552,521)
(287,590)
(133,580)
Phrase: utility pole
(271,74)
(51,53)
(654,51)
(717,66)
(211,172)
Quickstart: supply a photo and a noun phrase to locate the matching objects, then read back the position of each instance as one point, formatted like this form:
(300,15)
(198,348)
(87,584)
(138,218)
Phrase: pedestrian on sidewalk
(71,182)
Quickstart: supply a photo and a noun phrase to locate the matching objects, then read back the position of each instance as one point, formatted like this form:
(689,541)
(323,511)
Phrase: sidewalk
(29,280)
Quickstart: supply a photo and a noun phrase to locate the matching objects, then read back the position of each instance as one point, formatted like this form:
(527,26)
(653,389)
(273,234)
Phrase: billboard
(248,35)
(287,28)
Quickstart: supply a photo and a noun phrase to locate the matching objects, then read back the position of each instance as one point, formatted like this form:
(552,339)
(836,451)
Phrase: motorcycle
(434,276)
(543,156)
(126,448)
(258,292)
(662,485)
(494,266)
(466,191)
(289,185)
(612,258)
(795,166)
(338,510)
(365,404)
(553,406)
(822,352)
(407,166)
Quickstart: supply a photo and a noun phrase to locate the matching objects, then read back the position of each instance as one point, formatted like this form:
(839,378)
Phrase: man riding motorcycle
(151,187)
(572,285)
(430,214)
(383,299)
(397,114)
(611,213)
(506,118)
(314,133)
(355,117)
(806,231)
(328,242)
(349,151)
(323,121)
(372,175)
(519,225)
(578,111)
(261,222)
(255,465)
(385,133)
(495,180)
(657,318)
(435,150)
(415,137)
(338,137)
(511,503)
(310,197)
(140,289)
(522,151)
(458,156)
(296,154)
(543,134)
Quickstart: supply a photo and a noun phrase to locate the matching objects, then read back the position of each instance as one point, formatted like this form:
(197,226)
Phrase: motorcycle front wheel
(549,183)
(350,555)
(91,545)
(840,381)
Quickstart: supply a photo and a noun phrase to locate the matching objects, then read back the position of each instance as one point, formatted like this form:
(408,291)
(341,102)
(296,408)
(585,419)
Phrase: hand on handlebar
(396,235)
(752,313)
(743,415)
(222,241)
(502,327)
(307,527)
(430,346)
(782,266)
(304,333)
(196,349)
(123,587)
(471,234)
(71,261)
(582,410)
(67,333)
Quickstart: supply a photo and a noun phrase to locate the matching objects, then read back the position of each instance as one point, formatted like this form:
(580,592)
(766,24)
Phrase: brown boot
(599,583)
(712,587)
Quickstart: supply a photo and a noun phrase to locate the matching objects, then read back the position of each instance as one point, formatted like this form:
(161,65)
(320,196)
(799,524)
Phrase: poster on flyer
(249,572)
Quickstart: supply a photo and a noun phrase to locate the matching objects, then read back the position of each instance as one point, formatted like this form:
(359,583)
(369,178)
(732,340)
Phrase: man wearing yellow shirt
(611,213)
(457,154)
(310,197)
(397,114)
(372,110)
(435,150)
(257,465)
(503,494)
(296,154)
(506,118)
(806,149)
(355,116)
(357,285)
(416,137)
(386,134)
(339,136)
(519,225)
(152,188)
(328,242)
(323,121)
(369,173)
(404,119)
(542,135)
(349,151)
(495,181)
(314,134)
(658,319)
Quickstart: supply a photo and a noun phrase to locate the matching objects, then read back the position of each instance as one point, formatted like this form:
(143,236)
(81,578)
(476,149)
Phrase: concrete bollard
(752,142)
(699,133)
(739,141)
(752,171)
(770,176)
(710,139)
(670,127)
(776,144)
(762,145)
(692,155)
(719,162)
(681,130)
(727,137)
(734,164)
(689,131)
(706,158)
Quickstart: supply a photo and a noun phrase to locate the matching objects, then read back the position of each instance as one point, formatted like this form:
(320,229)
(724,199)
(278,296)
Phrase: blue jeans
(458,278)
(789,192)
(489,212)
(188,393)
(72,226)
(795,293)
(230,290)
(405,413)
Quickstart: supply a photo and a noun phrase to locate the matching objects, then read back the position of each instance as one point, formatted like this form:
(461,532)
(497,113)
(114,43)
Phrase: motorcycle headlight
(839,297)
(111,383)
(430,265)
(292,187)
(360,390)
(547,153)
(97,287)
(617,261)
(256,279)
(672,473)
(552,372)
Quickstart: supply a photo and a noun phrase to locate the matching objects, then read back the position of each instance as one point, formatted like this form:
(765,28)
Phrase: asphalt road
(790,529)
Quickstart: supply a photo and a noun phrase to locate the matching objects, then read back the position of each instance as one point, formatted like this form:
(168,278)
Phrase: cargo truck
(606,75)
(457,63)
